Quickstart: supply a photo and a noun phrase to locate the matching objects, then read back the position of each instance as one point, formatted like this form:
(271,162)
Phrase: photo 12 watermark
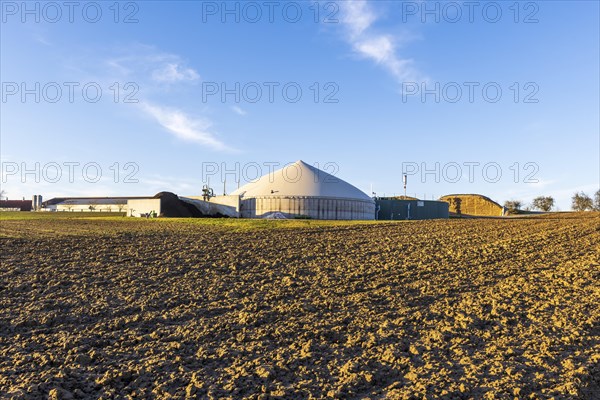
(69,172)
(53,12)
(452,12)
(470,92)
(292,172)
(270,92)
(252,12)
(70,92)
(471,171)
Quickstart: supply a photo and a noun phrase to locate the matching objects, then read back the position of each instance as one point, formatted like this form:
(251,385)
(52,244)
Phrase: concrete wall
(313,207)
(142,206)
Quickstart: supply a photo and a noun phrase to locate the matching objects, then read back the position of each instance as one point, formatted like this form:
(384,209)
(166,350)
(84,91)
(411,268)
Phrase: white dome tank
(301,190)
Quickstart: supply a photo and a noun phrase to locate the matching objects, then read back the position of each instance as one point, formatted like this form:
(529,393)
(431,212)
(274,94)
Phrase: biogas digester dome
(301,190)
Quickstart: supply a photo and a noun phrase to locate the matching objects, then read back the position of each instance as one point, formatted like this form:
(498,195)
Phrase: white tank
(301,190)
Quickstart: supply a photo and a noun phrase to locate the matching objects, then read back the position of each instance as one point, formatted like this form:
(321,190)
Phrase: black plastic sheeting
(172,206)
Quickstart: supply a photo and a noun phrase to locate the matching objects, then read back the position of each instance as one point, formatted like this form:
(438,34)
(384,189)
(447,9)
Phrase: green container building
(394,209)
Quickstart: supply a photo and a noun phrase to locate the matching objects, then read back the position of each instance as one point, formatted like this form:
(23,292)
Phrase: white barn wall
(86,207)
(137,207)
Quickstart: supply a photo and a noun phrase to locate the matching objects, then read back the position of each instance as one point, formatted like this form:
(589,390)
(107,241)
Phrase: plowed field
(487,308)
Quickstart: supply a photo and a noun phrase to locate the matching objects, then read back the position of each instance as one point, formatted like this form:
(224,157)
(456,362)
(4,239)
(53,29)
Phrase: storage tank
(36,202)
(300,190)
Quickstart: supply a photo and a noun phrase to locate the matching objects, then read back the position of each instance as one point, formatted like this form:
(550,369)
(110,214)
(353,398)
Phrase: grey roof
(91,200)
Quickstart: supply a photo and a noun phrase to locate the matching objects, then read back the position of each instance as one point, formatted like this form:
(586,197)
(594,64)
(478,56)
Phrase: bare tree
(513,206)
(2,194)
(597,201)
(581,202)
(543,203)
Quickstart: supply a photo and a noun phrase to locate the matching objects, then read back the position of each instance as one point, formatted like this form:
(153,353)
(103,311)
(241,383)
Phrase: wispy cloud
(173,72)
(358,18)
(146,63)
(41,39)
(158,73)
(238,110)
(184,127)
(161,78)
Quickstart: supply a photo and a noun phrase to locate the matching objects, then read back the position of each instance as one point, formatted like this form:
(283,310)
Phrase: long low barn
(88,204)
(15,205)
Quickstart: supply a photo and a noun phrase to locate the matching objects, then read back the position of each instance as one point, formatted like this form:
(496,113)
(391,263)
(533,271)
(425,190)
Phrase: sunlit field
(107,306)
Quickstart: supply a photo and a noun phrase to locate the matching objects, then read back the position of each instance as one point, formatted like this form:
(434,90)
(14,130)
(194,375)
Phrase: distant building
(88,204)
(15,205)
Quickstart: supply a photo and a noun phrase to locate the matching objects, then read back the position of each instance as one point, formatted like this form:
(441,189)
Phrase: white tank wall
(313,207)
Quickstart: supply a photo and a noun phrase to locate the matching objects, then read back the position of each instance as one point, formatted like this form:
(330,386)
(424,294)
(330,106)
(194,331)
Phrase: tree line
(579,202)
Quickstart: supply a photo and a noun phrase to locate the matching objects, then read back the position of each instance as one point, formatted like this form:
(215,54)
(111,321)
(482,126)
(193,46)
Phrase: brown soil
(436,309)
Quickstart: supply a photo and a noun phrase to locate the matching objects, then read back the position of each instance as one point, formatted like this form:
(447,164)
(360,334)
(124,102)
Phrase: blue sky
(385,86)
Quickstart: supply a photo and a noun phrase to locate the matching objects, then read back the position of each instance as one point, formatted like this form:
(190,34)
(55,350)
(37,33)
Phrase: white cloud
(147,64)
(239,111)
(358,19)
(173,72)
(157,72)
(358,16)
(185,127)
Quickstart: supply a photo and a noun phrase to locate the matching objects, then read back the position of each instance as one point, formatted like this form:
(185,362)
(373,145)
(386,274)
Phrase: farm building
(473,205)
(163,204)
(397,209)
(167,204)
(88,204)
(301,190)
(16,205)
